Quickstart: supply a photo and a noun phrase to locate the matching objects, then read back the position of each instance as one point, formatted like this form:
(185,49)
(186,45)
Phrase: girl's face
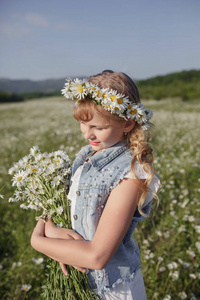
(101,133)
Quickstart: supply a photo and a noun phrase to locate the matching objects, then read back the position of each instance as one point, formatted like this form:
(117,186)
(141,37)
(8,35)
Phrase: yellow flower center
(57,160)
(98,93)
(112,98)
(129,107)
(92,88)
(104,96)
(80,89)
(34,170)
(19,178)
(116,108)
(79,101)
(108,105)
(133,112)
(119,101)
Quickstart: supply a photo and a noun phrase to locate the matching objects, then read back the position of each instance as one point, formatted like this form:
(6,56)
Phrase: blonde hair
(137,138)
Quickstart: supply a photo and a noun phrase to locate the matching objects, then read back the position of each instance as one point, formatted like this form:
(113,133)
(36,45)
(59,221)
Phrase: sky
(45,39)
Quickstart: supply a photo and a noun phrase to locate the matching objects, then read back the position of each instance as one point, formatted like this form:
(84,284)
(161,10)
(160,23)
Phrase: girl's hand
(51,231)
(64,269)
(38,232)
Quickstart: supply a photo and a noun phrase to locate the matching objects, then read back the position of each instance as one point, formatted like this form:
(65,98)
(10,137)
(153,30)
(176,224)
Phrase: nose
(88,134)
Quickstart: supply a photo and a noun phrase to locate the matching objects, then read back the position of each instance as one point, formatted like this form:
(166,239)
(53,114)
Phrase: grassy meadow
(169,240)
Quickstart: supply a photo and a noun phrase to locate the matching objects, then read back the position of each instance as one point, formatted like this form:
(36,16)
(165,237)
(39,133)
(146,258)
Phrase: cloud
(36,20)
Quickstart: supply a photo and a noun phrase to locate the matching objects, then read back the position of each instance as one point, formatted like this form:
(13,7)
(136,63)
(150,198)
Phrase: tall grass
(169,240)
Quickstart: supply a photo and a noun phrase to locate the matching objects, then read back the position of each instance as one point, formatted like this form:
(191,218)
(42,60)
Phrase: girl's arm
(52,231)
(112,227)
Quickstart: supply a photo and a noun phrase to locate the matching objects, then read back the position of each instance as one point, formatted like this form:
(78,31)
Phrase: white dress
(134,290)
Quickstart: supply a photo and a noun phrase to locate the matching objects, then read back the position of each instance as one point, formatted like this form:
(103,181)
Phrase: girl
(112,187)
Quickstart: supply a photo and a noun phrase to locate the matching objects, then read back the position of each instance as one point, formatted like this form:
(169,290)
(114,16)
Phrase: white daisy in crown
(79,88)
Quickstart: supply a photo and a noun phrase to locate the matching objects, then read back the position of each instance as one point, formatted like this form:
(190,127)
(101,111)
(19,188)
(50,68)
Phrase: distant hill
(30,86)
(185,84)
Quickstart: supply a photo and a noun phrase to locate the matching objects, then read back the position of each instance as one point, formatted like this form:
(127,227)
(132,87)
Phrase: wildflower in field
(151,255)
(186,265)
(198,275)
(185,202)
(1,196)
(185,217)
(16,264)
(160,258)
(26,287)
(172,265)
(146,242)
(180,261)
(166,234)
(182,228)
(159,233)
(191,218)
(192,276)
(197,228)
(197,244)
(191,253)
(38,261)
(167,297)
(193,297)
(161,269)
(182,295)
(175,275)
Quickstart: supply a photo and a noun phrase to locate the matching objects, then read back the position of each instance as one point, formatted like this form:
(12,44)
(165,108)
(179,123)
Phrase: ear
(129,125)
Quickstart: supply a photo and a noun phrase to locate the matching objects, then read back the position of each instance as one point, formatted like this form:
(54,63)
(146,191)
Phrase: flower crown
(110,100)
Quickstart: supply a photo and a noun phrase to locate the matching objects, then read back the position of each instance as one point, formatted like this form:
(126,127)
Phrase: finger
(63,268)
(75,235)
(39,228)
(83,270)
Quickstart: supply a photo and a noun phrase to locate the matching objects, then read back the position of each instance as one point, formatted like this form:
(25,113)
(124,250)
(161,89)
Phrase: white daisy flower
(38,261)
(34,150)
(193,276)
(18,179)
(56,181)
(175,275)
(66,92)
(197,228)
(167,297)
(182,295)
(13,170)
(59,210)
(79,88)
(26,287)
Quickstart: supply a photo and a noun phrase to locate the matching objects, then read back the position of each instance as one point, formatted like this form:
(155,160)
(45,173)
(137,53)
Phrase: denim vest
(100,174)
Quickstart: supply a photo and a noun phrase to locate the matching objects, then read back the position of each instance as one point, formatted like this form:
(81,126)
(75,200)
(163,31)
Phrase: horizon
(84,76)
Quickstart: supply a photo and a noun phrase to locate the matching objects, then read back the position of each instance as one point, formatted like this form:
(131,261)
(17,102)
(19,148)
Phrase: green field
(169,240)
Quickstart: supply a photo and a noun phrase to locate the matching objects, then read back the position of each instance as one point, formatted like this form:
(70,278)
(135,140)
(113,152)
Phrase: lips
(94,143)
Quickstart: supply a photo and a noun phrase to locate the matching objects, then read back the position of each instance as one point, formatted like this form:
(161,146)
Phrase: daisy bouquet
(42,183)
